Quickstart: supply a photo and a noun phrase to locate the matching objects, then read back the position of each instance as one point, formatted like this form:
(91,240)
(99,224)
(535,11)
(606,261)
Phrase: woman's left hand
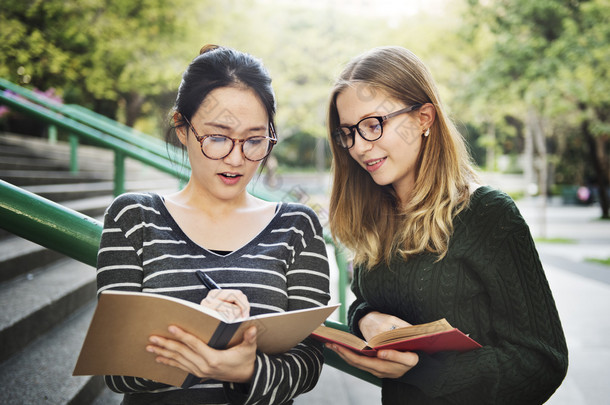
(192,355)
(387,364)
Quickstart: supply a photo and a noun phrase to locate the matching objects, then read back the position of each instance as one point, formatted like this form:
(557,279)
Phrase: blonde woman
(430,242)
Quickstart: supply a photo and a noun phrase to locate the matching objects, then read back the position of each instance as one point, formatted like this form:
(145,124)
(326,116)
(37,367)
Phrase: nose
(236,157)
(361,145)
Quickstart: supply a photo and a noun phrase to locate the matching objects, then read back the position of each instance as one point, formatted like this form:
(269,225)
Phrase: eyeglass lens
(218,147)
(369,128)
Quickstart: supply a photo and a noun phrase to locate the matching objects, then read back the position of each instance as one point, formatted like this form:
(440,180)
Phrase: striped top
(283,268)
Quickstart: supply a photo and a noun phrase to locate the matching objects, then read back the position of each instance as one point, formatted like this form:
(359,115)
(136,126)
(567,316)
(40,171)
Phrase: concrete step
(23,163)
(42,147)
(27,153)
(48,299)
(30,177)
(67,192)
(19,257)
(42,374)
(33,304)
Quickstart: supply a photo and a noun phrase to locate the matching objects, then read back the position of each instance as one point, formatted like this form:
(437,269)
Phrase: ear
(181,129)
(426,116)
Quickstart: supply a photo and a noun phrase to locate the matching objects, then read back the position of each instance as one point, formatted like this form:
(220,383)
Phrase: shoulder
(491,205)
(491,198)
(301,215)
(128,203)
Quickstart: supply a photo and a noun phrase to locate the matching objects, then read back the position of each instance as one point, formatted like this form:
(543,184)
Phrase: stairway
(47,299)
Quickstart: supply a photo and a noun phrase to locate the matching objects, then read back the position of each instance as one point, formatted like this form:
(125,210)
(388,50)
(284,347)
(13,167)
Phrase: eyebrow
(228,128)
(369,115)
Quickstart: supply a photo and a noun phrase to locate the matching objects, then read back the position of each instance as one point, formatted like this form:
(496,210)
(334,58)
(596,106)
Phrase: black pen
(207,281)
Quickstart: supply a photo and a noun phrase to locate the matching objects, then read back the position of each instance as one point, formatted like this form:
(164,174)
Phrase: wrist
(245,375)
(362,323)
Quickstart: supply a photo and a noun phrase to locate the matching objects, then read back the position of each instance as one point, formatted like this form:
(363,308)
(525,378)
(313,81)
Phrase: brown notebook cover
(123,321)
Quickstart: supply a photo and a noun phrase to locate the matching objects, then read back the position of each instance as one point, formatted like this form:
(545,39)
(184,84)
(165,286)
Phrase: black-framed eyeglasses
(369,128)
(216,146)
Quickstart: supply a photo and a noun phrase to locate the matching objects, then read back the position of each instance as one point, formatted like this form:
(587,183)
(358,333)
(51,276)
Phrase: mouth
(374,164)
(230,178)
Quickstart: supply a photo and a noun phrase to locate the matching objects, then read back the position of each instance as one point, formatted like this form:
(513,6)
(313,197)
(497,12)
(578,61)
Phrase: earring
(427,132)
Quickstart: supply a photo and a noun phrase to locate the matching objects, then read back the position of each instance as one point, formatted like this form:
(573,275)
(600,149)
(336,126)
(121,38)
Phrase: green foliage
(101,54)
(490,58)
(553,55)
(555,240)
(600,261)
(299,151)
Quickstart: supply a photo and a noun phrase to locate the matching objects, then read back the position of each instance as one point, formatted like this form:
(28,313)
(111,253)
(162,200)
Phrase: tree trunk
(536,131)
(528,169)
(596,150)
(490,160)
(133,108)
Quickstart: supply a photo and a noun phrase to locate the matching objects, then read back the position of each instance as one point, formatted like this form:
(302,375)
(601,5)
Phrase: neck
(195,198)
(403,191)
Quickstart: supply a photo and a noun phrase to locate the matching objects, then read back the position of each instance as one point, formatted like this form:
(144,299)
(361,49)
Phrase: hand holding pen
(232,304)
(184,351)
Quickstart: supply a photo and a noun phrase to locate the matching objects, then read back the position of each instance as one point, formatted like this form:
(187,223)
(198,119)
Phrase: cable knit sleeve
(524,355)
(359,308)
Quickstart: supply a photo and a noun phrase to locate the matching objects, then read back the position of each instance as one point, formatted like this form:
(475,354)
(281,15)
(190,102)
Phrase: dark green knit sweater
(490,285)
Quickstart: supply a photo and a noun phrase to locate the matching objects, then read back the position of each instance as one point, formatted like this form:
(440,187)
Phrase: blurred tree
(110,55)
(550,59)
(304,50)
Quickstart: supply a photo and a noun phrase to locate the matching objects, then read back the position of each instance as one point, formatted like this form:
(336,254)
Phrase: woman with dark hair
(430,242)
(265,256)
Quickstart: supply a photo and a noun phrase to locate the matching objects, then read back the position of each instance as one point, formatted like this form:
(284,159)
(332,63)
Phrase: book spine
(219,340)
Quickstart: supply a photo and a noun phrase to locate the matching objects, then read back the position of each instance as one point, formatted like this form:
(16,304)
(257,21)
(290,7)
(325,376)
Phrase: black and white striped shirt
(283,268)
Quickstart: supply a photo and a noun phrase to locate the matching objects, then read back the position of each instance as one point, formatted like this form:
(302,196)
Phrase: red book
(430,338)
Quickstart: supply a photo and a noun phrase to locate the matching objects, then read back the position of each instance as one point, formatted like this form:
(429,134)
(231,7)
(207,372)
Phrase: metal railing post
(119,173)
(73,153)
(342,264)
(52,134)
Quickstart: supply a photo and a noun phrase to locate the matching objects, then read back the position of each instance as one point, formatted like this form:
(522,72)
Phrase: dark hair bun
(208,48)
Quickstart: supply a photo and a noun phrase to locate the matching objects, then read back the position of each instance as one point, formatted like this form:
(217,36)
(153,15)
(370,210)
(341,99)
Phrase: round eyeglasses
(217,147)
(369,128)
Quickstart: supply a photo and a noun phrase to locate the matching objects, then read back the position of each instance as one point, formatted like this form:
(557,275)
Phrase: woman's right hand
(231,304)
(375,322)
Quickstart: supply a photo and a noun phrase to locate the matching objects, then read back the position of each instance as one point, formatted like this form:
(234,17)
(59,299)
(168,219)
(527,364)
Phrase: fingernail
(150,349)
(153,339)
(172,329)
(383,355)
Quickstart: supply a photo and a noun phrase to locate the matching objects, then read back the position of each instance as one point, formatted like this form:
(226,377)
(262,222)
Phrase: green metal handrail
(97,121)
(121,148)
(49,224)
(76,235)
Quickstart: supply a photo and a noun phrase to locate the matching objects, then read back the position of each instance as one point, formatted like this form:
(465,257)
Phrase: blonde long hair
(367,218)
